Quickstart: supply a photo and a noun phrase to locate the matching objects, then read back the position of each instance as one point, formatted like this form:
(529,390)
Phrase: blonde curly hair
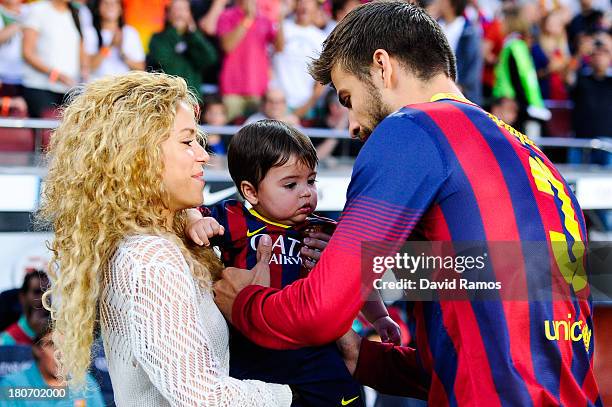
(104,182)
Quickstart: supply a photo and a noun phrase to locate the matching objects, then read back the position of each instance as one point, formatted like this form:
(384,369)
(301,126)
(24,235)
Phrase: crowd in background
(27,350)
(247,59)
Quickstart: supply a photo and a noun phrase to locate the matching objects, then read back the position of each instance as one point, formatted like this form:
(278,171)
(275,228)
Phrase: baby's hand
(388,330)
(204,229)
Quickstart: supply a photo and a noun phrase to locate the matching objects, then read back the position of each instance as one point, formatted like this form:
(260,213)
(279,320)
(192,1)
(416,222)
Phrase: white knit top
(165,340)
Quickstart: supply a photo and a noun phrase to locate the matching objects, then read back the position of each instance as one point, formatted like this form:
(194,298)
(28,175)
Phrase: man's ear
(383,68)
(249,192)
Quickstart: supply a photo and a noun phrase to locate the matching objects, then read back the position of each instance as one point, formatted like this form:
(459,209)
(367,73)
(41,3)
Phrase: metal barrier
(44,124)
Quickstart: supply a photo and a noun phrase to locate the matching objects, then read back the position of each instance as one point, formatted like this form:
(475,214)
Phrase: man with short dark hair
(43,376)
(34,317)
(592,93)
(436,167)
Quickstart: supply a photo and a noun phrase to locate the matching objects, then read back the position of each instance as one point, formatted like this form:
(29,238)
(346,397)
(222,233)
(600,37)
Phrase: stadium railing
(39,125)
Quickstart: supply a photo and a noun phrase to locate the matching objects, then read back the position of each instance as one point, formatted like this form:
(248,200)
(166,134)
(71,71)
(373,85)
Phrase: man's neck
(417,91)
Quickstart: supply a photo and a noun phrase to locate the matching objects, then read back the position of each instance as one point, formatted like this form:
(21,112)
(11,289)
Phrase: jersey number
(569,257)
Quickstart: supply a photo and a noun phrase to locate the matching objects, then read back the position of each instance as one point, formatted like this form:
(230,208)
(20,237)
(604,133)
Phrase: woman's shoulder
(147,249)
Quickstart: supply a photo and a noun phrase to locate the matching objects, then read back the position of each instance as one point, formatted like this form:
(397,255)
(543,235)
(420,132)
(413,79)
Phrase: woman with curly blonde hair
(124,165)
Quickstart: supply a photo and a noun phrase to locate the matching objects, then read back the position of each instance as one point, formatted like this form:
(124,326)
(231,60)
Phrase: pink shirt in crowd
(245,69)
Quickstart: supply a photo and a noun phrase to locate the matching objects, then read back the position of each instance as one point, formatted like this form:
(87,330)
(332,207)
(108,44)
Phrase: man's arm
(396,177)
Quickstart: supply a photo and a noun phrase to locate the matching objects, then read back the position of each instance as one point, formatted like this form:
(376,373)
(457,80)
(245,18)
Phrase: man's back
(500,187)
(448,171)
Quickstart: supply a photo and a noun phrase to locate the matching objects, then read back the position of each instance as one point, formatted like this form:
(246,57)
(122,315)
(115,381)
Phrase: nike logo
(214,197)
(347,402)
(249,233)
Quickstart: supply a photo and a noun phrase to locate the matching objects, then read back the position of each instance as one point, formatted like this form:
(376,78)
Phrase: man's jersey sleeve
(396,177)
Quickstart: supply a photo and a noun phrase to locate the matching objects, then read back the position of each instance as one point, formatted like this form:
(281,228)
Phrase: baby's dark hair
(259,146)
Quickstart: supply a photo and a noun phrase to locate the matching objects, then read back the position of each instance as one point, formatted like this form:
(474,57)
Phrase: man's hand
(349,346)
(388,330)
(233,280)
(202,230)
(314,244)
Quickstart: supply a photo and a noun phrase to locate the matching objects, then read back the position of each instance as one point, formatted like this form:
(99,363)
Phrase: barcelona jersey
(318,374)
(449,171)
(243,228)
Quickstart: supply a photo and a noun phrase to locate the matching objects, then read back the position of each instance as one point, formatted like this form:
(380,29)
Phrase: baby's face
(288,193)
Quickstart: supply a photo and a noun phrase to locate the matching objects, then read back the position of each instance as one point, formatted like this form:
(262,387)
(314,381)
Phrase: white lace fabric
(165,340)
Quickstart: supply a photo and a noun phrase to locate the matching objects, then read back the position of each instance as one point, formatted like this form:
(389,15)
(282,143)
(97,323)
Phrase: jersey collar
(451,96)
(253,212)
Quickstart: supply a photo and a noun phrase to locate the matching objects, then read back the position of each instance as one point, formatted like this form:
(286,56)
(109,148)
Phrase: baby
(274,168)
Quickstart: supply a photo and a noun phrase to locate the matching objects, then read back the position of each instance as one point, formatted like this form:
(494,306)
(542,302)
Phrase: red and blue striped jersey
(449,171)
(243,228)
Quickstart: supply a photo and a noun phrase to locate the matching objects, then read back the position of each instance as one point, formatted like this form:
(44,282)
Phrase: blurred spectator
(43,374)
(531,12)
(206,13)
(581,56)
(85,15)
(181,49)
(592,94)
(488,9)
(492,44)
(515,74)
(505,109)
(53,52)
(551,57)
(12,106)
(274,106)
(339,9)
(563,7)
(34,316)
(245,35)
(322,18)
(146,16)
(10,308)
(12,13)
(215,114)
(465,39)
(303,41)
(113,47)
(336,118)
(587,21)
